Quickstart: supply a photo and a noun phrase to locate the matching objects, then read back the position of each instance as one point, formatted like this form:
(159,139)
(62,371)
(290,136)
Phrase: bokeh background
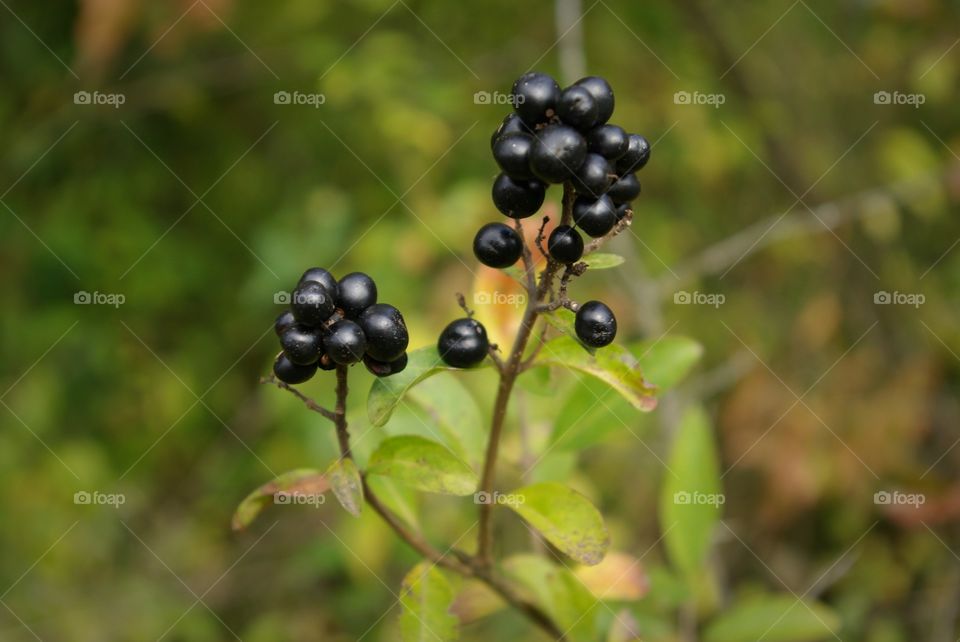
(784,186)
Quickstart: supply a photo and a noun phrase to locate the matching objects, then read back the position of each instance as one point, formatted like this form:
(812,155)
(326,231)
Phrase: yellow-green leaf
(558,592)
(666,361)
(304,481)
(346,485)
(773,618)
(426,597)
(602,260)
(422,463)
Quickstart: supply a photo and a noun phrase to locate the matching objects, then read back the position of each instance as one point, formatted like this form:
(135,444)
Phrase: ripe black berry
(512,153)
(595,217)
(624,189)
(385,332)
(637,155)
(578,107)
(385,369)
(345,343)
(322,277)
(311,303)
(593,177)
(603,95)
(326,363)
(301,344)
(463,343)
(565,244)
(511,124)
(357,293)
(284,322)
(517,199)
(557,153)
(497,245)
(622,210)
(595,324)
(609,141)
(534,95)
(289,372)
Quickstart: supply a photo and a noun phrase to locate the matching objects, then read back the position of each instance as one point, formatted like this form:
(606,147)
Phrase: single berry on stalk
(577,107)
(535,97)
(385,332)
(603,95)
(636,156)
(284,322)
(463,343)
(596,217)
(624,189)
(565,244)
(289,372)
(512,153)
(497,245)
(311,303)
(301,344)
(558,152)
(595,324)
(593,177)
(518,199)
(385,369)
(357,293)
(609,141)
(322,277)
(345,343)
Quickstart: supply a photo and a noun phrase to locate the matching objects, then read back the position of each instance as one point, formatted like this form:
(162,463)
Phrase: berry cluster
(333,323)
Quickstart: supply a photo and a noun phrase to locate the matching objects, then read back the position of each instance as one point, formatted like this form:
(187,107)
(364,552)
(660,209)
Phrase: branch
(310,403)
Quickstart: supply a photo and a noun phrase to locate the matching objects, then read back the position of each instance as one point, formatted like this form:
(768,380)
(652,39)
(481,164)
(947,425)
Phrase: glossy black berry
(624,189)
(385,369)
(284,322)
(463,343)
(609,141)
(512,153)
(622,210)
(603,95)
(557,153)
(357,293)
(577,107)
(345,343)
(565,244)
(497,245)
(637,155)
(322,277)
(302,344)
(385,332)
(326,363)
(593,177)
(535,97)
(595,324)
(518,199)
(511,124)
(289,372)
(596,217)
(311,303)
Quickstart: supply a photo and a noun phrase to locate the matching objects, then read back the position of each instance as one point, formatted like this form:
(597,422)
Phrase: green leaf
(387,392)
(563,320)
(602,261)
(773,618)
(346,484)
(690,499)
(613,365)
(426,597)
(565,518)
(558,592)
(454,412)
(666,361)
(303,481)
(474,601)
(423,464)
(591,414)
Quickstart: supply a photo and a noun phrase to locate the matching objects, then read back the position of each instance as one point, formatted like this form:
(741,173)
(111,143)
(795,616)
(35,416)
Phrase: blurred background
(798,220)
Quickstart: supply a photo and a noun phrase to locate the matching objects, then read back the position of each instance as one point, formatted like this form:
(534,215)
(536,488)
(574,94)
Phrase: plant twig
(310,403)
(620,226)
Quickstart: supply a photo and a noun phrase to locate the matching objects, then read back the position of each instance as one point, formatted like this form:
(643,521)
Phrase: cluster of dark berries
(559,135)
(333,323)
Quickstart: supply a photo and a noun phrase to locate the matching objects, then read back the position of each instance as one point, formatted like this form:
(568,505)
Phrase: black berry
(596,217)
(302,344)
(385,332)
(603,95)
(311,303)
(609,141)
(322,277)
(622,210)
(578,107)
(558,152)
(326,363)
(595,324)
(345,343)
(357,293)
(535,97)
(289,372)
(385,369)
(463,343)
(517,199)
(512,153)
(593,177)
(624,189)
(565,244)
(511,124)
(637,155)
(284,322)
(497,245)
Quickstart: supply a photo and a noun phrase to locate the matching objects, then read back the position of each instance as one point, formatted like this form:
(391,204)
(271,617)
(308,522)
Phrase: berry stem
(310,403)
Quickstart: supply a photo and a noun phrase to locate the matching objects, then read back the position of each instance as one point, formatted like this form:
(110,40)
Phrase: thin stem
(310,403)
(340,414)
